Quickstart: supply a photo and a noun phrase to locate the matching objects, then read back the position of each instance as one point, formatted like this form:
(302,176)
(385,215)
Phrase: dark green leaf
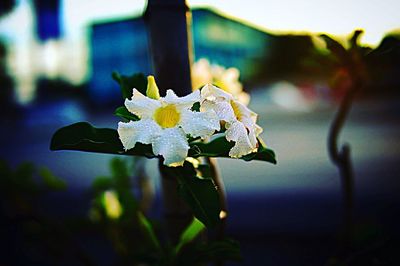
(200,194)
(128,202)
(124,113)
(119,168)
(128,83)
(262,154)
(220,147)
(196,107)
(52,181)
(355,38)
(148,230)
(84,137)
(120,174)
(335,47)
(102,183)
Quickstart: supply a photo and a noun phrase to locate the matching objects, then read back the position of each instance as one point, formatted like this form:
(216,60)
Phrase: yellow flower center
(236,110)
(167,116)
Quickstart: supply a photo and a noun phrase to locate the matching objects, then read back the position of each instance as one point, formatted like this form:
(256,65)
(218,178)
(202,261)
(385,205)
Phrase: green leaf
(84,137)
(219,147)
(124,113)
(128,83)
(102,183)
(196,107)
(119,169)
(52,181)
(128,202)
(262,154)
(200,194)
(190,233)
(147,229)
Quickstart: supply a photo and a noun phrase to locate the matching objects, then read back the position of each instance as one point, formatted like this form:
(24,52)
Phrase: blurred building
(62,44)
(122,46)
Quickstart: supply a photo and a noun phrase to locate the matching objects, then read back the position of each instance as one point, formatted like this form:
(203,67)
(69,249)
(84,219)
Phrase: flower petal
(143,131)
(223,109)
(201,73)
(237,132)
(185,102)
(212,93)
(172,145)
(200,124)
(243,97)
(141,105)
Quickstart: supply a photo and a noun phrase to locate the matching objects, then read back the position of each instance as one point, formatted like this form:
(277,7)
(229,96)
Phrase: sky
(339,17)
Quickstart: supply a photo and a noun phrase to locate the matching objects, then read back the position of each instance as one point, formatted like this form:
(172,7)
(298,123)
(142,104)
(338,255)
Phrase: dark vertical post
(167,26)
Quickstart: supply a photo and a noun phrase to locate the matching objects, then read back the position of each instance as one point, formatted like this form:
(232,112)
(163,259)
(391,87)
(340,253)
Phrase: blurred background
(56,60)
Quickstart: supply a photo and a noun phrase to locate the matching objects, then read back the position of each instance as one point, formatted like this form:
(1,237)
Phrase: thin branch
(342,158)
(216,175)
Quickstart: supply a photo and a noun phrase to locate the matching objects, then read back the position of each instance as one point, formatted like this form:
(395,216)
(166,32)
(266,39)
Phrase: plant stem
(177,213)
(223,201)
(167,24)
(342,159)
(216,175)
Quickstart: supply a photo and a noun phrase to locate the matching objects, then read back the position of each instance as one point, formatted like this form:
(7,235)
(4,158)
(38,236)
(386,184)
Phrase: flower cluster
(226,79)
(167,122)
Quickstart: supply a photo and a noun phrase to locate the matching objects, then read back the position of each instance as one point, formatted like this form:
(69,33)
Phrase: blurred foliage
(21,187)
(34,234)
(304,59)
(136,239)
(30,231)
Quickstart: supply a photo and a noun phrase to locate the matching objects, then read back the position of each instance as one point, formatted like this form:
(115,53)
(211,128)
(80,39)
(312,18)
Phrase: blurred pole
(170,44)
(167,26)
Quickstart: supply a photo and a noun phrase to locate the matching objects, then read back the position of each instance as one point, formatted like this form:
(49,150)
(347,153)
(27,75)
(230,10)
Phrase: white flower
(165,123)
(226,79)
(240,121)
